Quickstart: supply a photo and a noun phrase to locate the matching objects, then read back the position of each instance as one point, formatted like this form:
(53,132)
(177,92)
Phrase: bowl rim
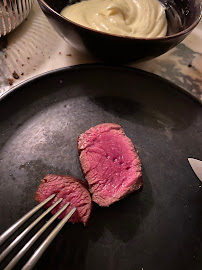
(181,33)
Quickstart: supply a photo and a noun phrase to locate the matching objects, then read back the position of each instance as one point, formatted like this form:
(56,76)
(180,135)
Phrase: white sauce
(136,18)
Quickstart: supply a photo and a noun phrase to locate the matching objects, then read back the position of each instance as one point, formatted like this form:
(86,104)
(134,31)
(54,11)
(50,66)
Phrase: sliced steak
(109,162)
(71,190)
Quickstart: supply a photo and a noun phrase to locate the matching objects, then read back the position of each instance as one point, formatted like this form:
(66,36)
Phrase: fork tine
(25,232)
(33,239)
(16,225)
(38,253)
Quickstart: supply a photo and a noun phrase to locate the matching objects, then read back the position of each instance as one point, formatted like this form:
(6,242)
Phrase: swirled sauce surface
(135,18)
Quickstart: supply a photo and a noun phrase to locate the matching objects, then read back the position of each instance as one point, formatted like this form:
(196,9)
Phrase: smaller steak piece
(109,162)
(71,190)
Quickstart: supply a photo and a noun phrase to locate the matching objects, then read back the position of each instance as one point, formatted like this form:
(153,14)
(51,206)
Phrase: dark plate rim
(104,66)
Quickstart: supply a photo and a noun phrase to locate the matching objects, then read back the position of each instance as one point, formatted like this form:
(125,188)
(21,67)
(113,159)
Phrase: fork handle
(38,253)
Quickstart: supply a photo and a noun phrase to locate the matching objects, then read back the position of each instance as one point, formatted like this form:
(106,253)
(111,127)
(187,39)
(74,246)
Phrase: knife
(196,166)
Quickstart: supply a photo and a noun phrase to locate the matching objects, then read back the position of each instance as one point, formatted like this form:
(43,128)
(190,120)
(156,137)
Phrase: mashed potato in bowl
(135,18)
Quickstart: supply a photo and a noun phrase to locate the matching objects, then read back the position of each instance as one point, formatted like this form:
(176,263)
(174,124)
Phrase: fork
(38,253)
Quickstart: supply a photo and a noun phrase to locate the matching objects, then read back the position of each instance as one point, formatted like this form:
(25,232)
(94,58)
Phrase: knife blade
(196,166)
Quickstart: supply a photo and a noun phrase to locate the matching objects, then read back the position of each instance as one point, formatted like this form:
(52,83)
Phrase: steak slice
(109,162)
(71,190)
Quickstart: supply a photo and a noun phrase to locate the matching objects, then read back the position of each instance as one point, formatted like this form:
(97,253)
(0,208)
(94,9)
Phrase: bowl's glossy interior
(182,16)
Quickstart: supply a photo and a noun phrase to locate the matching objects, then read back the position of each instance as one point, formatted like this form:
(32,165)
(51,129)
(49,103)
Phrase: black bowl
(182,17)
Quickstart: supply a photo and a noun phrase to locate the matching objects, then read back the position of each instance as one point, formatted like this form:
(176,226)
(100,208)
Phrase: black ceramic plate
(158,228)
